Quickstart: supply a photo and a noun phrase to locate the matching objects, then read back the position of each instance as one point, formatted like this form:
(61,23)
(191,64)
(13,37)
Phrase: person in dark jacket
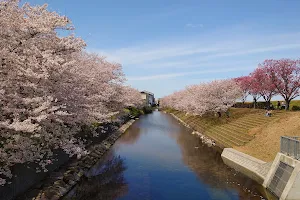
(278,105)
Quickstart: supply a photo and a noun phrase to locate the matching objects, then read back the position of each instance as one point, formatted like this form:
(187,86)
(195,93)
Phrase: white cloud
(194,25)
(193,63)
(153,77)
(180,74)
(193,51)
(140,55)
(252,51)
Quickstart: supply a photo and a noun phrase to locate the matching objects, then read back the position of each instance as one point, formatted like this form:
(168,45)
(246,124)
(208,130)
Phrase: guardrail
(290,146)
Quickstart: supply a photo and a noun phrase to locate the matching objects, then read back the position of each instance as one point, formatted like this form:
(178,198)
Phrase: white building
(148,98)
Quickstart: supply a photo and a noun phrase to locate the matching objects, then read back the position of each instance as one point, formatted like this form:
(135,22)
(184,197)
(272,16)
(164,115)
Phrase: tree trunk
(268,104)
(287,104)
(254,103)
(219,114)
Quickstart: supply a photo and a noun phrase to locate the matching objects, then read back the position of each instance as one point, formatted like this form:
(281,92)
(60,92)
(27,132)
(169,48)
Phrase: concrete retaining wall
(253,168)
(263,172)
(292,188)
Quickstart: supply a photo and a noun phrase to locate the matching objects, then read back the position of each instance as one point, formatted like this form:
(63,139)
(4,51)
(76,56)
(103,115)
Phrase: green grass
(228,132)
(293,103)
(209,120)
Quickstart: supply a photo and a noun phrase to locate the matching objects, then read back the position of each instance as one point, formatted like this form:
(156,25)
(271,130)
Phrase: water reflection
(207,164)
(132,136)
(105,181)
(164,161)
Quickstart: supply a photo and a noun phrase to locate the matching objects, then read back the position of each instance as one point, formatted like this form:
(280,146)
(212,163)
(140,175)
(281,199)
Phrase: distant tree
(254,90)
(248,85)
(285,75)
(244,83)
(262,83)
(131,97)
(213,97)
(91,89)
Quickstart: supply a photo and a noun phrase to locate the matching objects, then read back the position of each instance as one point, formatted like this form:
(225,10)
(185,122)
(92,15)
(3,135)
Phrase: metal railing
(290,146)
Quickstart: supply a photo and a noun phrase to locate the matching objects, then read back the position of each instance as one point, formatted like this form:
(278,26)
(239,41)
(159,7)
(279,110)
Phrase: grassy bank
(266,142)
(293,103)
(247,130)
(207,121)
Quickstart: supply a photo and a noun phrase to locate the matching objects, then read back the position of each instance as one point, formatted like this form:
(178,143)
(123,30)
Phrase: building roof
(144,91)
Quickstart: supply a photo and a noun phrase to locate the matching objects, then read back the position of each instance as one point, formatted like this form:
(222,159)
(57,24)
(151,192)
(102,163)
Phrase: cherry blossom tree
(262,83)
(248,85)
(90,89)
(285,75)
(244,83)
(32,55)
(214,97)
(131,97)
(49,86)
(254,91)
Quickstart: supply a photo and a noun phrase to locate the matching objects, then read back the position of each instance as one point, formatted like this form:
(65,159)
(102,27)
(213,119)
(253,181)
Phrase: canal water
(157,159)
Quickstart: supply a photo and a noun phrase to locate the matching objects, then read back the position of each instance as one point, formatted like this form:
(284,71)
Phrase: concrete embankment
(254,168)
(281,177)
(59,184)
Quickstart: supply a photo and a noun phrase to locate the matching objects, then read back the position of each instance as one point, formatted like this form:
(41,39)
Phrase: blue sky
(166,45)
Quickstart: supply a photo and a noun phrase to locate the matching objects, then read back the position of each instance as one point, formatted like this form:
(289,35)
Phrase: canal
(158,158)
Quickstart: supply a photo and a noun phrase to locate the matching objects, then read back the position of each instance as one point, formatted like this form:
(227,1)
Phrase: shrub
(147,109)
(96,124)
(243,105)
(259,105)
(126,110)
(294,108)
(135,111)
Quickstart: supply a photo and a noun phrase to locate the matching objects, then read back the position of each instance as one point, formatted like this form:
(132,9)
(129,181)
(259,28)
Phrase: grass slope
(266,143)
(247,130)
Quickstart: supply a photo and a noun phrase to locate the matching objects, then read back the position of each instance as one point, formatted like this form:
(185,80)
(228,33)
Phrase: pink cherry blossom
(247,83)
(49,86)
(285,76)
(213,97)
(262,83)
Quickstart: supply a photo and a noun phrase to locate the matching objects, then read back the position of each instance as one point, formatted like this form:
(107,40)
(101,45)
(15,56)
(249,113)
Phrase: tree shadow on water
(108,184)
